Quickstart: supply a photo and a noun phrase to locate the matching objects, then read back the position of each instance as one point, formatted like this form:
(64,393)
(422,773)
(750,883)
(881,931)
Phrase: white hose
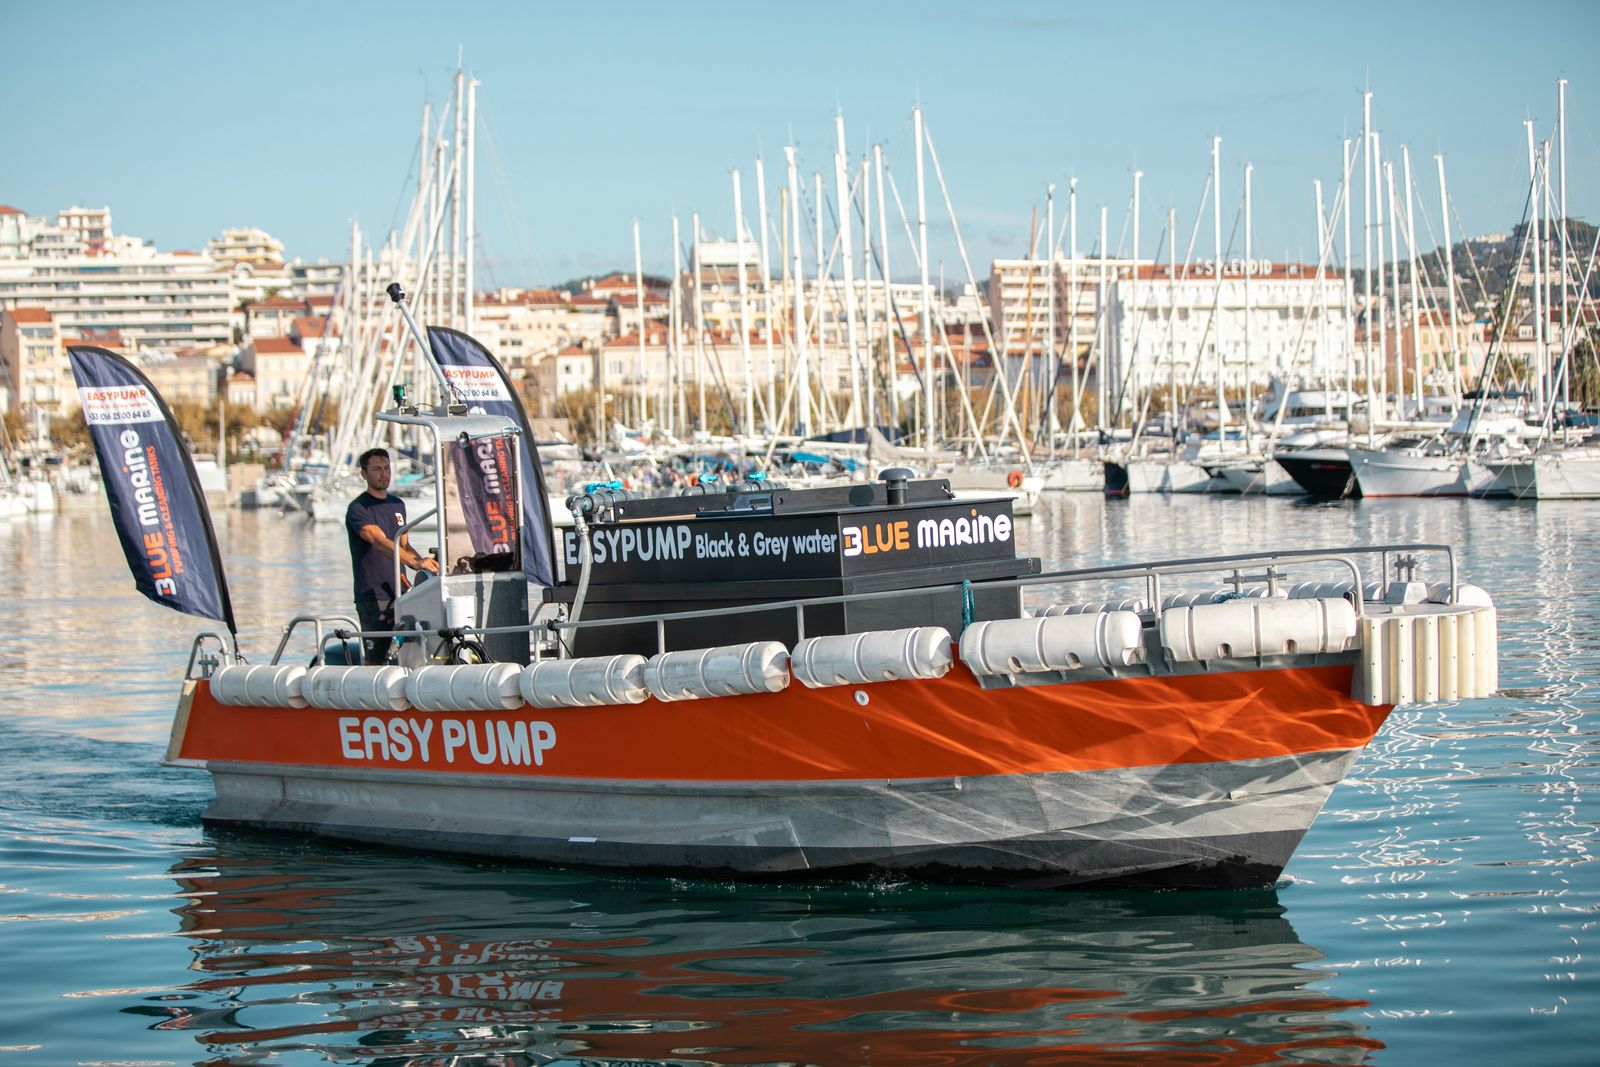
(586,556)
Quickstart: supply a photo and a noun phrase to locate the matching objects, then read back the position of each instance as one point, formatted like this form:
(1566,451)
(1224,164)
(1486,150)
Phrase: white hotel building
(1295,326)
(1152,326)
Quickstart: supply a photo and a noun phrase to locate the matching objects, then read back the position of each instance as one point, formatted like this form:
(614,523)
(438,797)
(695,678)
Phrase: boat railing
(317,621)
(207,661)
(1402,557)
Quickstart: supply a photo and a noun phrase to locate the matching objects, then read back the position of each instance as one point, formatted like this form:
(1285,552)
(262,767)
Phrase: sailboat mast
(438,256)
(697,308)
(1102,333)
(744,307)
(1366,262)
(768,308)
(1172,320)
(824,266)
(1072,308)
(1052,368)
(471,245)
(798,281)
(638,300)
(459,149)
(1566,342)
(1450,282)
(1538,279)
(845,201)
(866,305)
(1322,309)
(1133,301)
(1349,297)
(1216,311)
(1394,274)
(891,361)
(675,332)
(1411,263)
(927,296)
(1383,339)
(1249,323)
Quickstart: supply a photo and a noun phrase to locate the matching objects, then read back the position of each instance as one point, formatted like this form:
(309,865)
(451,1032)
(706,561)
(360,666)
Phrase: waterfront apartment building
(92,280)
(157,299)
(1267,320)
(1154,328)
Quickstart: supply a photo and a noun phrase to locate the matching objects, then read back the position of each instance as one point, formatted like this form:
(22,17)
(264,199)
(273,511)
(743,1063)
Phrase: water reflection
(1452,875)
(325,955)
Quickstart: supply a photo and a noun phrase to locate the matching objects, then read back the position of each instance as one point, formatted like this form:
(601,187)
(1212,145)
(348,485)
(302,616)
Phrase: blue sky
(186,118)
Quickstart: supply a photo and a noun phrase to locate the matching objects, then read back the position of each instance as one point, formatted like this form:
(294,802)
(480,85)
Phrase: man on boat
(371,522)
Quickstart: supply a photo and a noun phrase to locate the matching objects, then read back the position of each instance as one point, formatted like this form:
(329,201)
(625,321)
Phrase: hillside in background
(1485,264)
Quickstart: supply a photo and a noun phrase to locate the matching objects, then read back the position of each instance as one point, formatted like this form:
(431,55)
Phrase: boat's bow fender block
(758,667)
(1056,643)
(1257,627)
(356,688)
(259,685)
(873,656)
(1422,657)
(584,682)
(467,687)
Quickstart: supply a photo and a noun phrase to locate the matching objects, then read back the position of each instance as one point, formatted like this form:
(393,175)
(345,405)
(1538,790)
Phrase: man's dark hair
(361,464)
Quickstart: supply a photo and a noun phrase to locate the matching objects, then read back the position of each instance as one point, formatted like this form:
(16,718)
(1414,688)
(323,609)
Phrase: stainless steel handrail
(207,661)
(317,621)
(1152,572)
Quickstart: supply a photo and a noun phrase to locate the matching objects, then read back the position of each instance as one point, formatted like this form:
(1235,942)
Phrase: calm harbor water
(1445,907)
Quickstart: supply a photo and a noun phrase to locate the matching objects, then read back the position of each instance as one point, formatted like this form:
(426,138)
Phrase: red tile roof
(29,314)
(277,346)
(1202,272)
(654,338)
(311,326)
(108,339)
(7,209)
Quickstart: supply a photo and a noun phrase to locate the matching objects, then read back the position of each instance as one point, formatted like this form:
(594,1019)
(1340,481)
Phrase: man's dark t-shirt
(374,571)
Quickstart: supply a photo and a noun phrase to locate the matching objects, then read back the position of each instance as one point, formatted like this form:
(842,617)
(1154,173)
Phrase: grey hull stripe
(1228,823)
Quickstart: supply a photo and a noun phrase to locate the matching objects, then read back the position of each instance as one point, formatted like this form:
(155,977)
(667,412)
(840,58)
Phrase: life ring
(1014,479)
